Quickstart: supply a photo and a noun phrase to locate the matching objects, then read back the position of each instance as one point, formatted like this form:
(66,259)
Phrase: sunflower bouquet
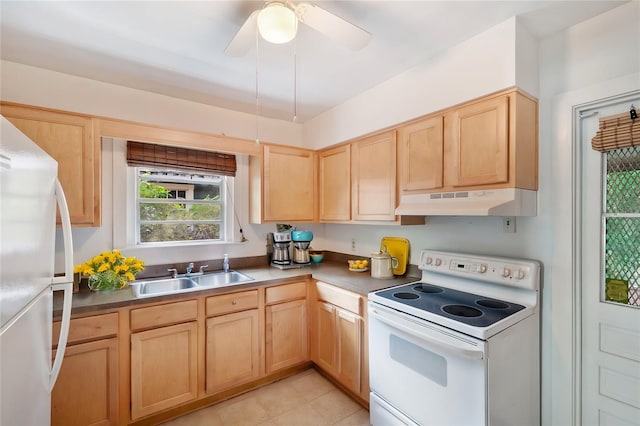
(109,270)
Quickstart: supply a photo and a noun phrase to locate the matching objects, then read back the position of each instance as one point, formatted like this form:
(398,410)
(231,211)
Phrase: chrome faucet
(202,268)
(189,268)
(174,272)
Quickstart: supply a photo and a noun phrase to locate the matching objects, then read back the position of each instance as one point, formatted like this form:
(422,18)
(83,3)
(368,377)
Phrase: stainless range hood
(491,202)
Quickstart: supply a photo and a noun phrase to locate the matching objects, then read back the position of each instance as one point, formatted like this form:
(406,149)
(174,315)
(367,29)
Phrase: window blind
(147,154)
(616,131)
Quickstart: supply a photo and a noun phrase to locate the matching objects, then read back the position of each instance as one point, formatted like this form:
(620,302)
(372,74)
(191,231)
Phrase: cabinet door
(373,177)
(349,338)
(164,365)
(86,392)
(286,335)
(480,143)
(289,184)
(232,350)
(325,332)
(69,140)
(335,184)
(420,155)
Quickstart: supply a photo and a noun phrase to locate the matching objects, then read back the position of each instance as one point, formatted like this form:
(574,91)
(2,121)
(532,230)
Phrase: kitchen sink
(159,287)
(163,286)
(221,279)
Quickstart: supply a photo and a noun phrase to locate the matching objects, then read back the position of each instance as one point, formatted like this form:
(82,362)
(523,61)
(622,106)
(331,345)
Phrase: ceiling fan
(277,22)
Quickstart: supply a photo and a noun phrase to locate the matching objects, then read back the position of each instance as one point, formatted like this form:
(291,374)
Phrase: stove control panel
(514,272)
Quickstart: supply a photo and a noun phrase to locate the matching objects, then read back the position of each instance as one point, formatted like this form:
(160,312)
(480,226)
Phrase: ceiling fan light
(277,23)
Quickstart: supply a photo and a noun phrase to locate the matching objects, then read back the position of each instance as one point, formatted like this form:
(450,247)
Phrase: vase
(106,281)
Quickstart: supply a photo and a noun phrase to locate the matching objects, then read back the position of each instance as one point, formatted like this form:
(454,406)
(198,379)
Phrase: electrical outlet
(353,244)
(509,224)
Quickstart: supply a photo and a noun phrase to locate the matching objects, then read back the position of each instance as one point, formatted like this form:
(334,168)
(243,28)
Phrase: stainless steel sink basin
(163,286)
(221,279)
(159,287)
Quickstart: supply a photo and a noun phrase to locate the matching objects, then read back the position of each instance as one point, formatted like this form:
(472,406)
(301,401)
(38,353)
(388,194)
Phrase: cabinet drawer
(217,305)
(286,292)
(339,297)
(160,315)
(88,328)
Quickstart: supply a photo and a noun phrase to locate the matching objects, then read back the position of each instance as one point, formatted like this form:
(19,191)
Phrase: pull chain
(295,81)
(257,96)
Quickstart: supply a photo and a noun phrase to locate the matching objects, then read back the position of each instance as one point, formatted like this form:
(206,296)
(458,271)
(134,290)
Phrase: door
(373,177)
(610,335)
(433,375)
(335,184)
(233,350)
(164,368)
(97,385)
(286,335)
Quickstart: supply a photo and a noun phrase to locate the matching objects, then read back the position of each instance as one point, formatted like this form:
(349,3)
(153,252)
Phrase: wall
(594,60)
(36,86)
(481,65)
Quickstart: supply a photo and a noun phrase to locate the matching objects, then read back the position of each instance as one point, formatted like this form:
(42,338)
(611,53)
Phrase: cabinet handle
(233,302)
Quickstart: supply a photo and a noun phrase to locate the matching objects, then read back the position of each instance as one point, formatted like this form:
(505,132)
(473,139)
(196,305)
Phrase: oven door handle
(444,344)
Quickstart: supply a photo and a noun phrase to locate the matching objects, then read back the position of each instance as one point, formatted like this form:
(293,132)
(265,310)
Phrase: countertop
(335,273)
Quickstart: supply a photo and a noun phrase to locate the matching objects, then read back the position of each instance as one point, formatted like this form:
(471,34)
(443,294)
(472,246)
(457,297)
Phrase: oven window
(422,361)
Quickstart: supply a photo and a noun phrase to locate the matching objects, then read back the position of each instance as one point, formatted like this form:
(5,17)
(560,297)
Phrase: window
(178,206)
(621,224)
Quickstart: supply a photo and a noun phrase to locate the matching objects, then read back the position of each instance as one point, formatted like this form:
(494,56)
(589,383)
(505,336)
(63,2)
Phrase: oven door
(431,374)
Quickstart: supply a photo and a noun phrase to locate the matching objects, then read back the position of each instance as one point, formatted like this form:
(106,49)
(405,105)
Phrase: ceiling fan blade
(244,38)
(332,26)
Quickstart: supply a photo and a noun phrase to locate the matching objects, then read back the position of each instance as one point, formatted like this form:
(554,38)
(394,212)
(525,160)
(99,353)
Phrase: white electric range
(459,347)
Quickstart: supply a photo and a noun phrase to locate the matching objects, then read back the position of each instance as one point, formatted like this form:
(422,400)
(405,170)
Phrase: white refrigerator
(29,194)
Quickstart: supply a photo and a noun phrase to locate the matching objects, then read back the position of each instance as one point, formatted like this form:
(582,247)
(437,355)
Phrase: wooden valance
(152,155)
(617,131)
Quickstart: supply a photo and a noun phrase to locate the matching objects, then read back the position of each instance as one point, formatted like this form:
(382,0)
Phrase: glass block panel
(622,254)
(623,180)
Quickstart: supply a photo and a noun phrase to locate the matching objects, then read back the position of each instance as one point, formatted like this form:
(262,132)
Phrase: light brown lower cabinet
(286,326)
(232,350)
(339,341)
(339,344)
(86,392)
(164,368)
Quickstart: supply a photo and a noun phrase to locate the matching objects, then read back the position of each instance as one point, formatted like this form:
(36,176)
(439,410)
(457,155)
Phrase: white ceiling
(176,48)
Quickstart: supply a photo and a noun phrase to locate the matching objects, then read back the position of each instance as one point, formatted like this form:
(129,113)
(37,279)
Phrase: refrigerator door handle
(64,283)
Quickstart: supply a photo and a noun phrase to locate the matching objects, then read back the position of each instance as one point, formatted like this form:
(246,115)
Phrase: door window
(621,226)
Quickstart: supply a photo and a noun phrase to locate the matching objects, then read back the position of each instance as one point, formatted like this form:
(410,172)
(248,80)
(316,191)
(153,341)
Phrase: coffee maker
(281,243)
(301,241)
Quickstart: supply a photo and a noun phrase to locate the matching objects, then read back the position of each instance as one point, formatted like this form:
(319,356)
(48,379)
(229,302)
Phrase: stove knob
(428,261)
(482,268)
(520,274)
(506,272)
(438,261)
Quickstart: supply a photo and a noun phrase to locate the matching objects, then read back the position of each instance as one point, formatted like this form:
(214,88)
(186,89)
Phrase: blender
(301,241)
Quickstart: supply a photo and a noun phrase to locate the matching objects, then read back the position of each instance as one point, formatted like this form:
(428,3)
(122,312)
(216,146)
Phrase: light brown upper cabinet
(68,138)
(487,143)
(373,177)
(421,154)
(480,143)
(335,184)
(493,143)
(283,185)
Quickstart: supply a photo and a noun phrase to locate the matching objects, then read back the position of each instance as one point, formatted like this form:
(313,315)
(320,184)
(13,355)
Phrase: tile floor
(304,399)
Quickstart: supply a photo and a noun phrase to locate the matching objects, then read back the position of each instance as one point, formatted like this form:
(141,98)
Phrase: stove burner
(462,311)
(405,295)
(492,304)
(427,288)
